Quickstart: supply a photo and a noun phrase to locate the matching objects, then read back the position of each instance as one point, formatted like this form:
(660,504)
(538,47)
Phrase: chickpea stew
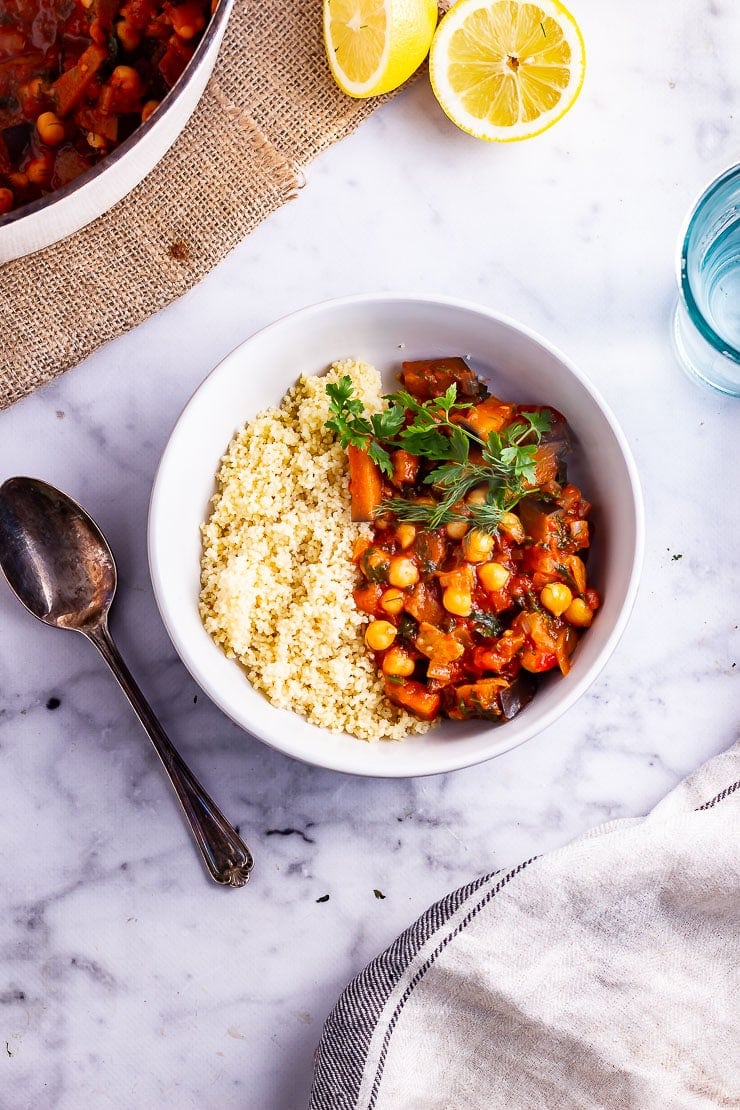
(77,77)
(475,576)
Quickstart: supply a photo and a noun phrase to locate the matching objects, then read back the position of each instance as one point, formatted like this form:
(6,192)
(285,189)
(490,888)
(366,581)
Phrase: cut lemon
(373,46)
(505,70)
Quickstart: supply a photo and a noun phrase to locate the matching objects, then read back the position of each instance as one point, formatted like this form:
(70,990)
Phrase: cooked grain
(277,575)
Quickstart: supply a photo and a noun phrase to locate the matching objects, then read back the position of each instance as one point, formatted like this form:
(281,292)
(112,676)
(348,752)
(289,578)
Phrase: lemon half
(373,46)
(505,70)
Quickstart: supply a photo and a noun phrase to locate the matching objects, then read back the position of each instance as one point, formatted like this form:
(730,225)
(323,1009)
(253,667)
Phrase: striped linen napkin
(602,975)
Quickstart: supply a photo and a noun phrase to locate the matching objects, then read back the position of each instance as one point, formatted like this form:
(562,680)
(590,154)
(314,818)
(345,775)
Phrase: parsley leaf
(506,472)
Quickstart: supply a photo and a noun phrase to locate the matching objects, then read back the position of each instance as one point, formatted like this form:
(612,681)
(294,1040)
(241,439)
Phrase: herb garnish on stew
(508,458)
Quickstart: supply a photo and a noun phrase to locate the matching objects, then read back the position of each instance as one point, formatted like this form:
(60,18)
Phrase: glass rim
(720,345)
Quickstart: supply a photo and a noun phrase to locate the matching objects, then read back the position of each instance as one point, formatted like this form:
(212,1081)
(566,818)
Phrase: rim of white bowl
(316,757)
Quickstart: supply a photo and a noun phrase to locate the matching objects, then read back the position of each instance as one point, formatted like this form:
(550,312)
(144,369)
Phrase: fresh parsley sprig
(506,472)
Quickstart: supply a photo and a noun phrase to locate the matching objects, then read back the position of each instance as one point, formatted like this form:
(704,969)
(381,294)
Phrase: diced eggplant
(428,378)
(15,140)
(517,695)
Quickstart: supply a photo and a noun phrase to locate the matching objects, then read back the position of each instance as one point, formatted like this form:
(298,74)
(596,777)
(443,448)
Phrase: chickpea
(149,109)
(31,97)
(457,601)
(512,526)
(476,496)
(405,534)
(477,546)
(398,662)
(97,142)
(578,613)
(391,601)
(379,635)
(128,36)
(493,576)
(38,169)
(456,529)
(402,571)
(556,597)
(125,79)
(6,200)
(50,128)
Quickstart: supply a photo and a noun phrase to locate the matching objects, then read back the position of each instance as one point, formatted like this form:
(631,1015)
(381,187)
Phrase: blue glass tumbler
(706,326)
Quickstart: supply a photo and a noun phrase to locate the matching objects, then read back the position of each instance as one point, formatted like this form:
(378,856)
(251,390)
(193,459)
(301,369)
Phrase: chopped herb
(426,429)
(323,898)
(567,576)
(486,624)
(379,894)
(675,557)
(407,627)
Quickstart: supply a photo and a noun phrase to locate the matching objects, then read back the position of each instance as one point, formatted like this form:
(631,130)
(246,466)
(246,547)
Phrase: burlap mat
(270,107)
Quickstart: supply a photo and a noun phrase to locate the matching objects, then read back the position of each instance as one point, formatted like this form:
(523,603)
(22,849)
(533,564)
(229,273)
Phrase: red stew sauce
(77,77)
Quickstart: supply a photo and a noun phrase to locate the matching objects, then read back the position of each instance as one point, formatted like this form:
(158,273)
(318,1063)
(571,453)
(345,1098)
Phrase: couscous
(277,573)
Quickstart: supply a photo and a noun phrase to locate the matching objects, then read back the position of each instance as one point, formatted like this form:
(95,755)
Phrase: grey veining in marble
(127,979)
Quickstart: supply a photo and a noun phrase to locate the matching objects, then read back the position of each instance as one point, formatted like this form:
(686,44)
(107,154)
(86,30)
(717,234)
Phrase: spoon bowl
(54,556)
(59,565)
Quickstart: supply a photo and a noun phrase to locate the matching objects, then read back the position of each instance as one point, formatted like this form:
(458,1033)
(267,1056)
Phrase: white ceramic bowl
(384,329)
(61,213)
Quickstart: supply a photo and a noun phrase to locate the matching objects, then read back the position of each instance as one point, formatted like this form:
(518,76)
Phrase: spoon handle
(226,855)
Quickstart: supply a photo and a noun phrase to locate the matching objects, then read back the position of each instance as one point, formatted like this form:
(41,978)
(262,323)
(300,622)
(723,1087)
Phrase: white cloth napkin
(602,975)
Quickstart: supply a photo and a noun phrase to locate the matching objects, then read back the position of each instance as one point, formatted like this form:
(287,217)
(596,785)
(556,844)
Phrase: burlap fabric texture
(269,109)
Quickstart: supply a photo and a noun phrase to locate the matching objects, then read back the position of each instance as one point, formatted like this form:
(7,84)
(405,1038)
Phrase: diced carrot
(175,58)
(538,661)
(70,87)
(405,468)
(367,598)
(100,123)
(414,697)
(365,484)
(460,578)
(545,464)
(187,19)
(490,415)
(359,547)
(104,12)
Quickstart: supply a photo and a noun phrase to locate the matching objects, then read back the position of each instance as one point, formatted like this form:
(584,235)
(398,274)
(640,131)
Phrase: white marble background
(127,980)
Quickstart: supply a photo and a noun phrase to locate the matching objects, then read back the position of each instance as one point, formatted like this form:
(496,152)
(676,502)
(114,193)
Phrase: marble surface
(127,979)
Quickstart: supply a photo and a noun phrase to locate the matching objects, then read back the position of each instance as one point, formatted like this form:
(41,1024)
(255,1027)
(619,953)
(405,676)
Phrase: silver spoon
(59,565)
